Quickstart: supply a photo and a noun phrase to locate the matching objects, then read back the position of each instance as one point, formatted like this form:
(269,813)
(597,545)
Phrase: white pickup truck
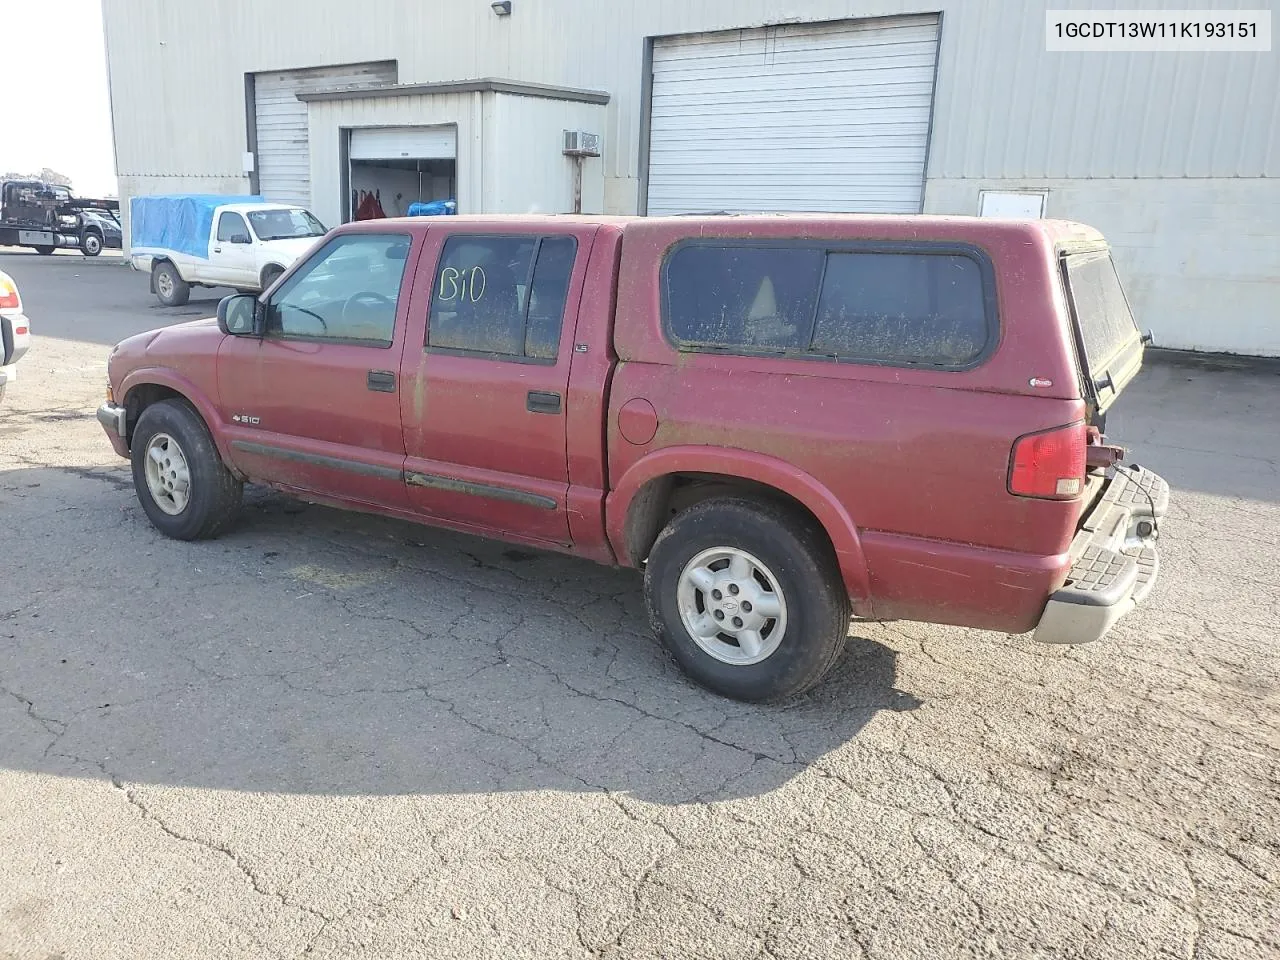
(195,240)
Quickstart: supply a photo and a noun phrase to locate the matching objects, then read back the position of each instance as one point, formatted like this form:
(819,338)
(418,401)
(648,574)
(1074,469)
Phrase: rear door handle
(383,381)
(217,249)
(539,401)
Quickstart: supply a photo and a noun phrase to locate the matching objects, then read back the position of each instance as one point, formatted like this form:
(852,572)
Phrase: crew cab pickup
(194,240)
(784,421)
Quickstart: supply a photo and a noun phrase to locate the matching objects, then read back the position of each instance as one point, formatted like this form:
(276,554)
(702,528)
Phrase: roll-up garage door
(804,117)
(283,155)
(395,143)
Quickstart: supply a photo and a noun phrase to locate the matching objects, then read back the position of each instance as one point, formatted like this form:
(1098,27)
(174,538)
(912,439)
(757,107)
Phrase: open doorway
(386,188)
(392,168)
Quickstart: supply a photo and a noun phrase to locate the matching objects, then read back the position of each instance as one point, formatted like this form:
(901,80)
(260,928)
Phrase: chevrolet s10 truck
(785,421)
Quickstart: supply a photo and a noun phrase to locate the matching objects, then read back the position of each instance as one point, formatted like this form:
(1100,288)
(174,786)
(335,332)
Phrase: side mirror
(240,238)
(240,315)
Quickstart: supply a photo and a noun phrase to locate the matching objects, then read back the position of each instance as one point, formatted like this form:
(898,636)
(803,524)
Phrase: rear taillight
(1050,464)
(9,299)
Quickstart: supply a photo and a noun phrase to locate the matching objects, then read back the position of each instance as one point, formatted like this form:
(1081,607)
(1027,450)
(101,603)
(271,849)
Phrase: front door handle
(382,381)
(217,249)
(541,401)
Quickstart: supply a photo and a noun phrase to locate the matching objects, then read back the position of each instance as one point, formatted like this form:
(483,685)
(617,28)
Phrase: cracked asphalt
(331,735)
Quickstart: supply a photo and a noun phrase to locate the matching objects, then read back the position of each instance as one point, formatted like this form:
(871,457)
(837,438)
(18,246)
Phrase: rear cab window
(1109,341)
(895,304)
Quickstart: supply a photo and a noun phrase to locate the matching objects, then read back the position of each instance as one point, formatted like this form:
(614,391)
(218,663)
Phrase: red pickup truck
(784,420)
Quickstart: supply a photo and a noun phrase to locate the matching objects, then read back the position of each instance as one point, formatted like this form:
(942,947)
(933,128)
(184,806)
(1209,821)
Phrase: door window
(501,296)
(231,225)
(347,292)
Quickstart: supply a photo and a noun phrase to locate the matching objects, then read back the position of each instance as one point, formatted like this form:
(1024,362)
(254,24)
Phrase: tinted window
(503,295)
(761,297)
(229,225)
(1106,325)
(902,307)
(888,307)
(346,292)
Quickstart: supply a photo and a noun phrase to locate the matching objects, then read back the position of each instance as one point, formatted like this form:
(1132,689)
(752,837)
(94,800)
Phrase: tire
(212,495)
(91,244)
(270,275)
(781,548)
(171,289)
(45,251)
(2,387)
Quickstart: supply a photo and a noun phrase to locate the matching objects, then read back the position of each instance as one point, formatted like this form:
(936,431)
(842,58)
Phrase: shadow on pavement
(315,651)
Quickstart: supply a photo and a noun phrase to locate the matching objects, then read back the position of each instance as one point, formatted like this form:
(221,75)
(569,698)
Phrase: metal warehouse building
(940,106)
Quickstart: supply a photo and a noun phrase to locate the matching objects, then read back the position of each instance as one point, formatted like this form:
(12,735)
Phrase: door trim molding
(451,485)
(319,460)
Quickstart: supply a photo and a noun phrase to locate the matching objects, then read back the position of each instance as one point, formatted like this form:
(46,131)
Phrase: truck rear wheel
(182,484)
(91,244)
(747,597)
(171,289)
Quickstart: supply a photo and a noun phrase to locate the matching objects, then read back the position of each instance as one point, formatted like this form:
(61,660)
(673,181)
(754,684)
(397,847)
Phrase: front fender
(164,377)
(771,472)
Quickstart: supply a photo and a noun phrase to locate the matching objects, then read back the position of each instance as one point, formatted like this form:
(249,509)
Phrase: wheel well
(663,497)
(93,228)
(143,396)
(269,268)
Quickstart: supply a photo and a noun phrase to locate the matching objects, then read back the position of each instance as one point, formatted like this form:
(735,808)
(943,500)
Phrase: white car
(191,240)
(15,331)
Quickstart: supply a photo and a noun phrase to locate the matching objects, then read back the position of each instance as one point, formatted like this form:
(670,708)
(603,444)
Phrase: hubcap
(164,284)
(168,478)
(732,605)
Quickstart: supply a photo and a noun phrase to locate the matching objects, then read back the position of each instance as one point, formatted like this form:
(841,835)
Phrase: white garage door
(805,117)
(399,143)
(283,158)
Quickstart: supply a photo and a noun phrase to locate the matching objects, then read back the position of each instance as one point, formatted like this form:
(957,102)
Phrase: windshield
(285,224)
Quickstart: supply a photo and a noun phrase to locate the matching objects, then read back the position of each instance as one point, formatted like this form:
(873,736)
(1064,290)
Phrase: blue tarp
(433,208)
(178,221)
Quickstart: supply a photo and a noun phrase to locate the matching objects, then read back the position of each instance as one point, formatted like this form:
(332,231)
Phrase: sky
(56,111)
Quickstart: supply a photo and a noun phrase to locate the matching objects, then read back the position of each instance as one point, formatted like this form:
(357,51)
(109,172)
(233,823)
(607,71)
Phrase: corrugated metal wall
(1005,107)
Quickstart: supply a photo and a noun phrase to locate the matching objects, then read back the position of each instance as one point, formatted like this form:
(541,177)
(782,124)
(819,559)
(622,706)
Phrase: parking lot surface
(330,735)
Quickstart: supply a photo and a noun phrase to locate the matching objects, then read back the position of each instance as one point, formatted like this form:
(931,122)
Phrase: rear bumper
(1114,560)
(115,423)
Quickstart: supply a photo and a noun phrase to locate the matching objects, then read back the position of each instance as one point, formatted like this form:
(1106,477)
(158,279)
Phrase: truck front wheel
(170,288)
(747,597)
(270,274)
(91,244)
(182,484)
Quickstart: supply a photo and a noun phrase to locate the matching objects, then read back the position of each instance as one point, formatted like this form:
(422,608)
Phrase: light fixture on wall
(502,8)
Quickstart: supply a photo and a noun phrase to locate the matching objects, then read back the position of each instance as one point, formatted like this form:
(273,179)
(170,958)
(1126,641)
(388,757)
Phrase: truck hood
(288,251)
(195,338)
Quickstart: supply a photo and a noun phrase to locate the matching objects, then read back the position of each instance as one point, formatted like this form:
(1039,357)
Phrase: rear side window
(501,295)
(1102,312)
(910,306)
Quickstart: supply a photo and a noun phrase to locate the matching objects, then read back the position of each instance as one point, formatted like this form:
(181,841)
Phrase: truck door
(231,257)
(314,404)
(484,387)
